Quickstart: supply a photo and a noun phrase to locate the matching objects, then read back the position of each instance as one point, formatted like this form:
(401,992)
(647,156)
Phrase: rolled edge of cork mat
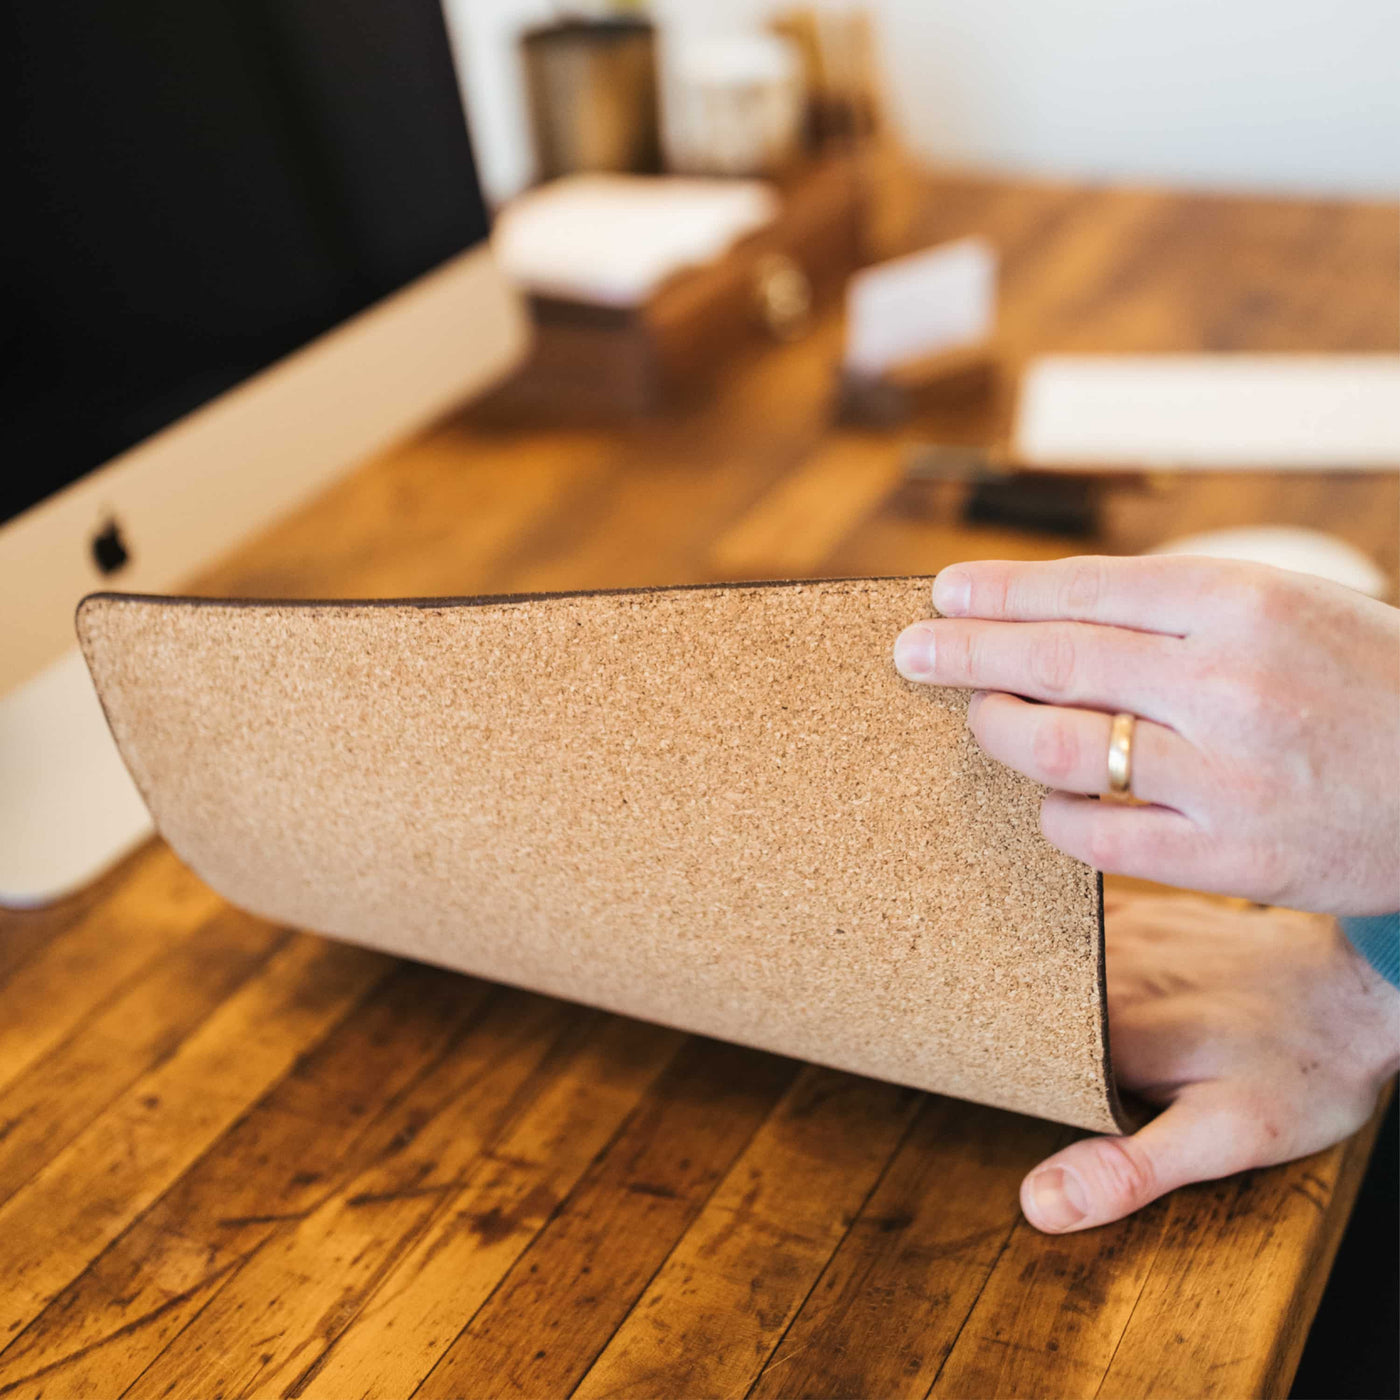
(717,807)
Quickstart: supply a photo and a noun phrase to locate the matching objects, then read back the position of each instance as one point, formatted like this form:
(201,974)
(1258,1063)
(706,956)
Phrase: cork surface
(719,808)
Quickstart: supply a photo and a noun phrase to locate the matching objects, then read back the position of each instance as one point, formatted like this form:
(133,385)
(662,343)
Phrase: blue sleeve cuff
(1377,939)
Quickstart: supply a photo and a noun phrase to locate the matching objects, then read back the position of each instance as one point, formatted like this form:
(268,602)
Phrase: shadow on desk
(1353,1350)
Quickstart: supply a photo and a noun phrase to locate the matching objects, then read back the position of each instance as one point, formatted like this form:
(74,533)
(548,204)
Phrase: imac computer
(244,248)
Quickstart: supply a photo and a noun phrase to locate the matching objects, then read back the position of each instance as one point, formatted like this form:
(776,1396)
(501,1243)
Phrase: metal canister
(592,92)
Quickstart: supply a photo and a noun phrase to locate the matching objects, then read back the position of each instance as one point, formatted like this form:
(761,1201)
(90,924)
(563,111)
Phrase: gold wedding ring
(1120,754)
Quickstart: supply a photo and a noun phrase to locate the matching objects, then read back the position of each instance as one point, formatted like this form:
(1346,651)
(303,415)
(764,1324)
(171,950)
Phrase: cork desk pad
(719,808)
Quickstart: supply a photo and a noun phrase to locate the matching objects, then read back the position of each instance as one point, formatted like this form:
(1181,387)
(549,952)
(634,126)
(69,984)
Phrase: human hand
(1266,1035)
(1268,743)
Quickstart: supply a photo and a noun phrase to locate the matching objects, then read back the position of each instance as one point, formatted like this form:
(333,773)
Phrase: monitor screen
(196,188)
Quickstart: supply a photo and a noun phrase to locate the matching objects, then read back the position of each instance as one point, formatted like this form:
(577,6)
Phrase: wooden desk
(236,1159)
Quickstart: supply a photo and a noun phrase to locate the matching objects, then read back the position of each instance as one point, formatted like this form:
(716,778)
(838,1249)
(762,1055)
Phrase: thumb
(1098,1180)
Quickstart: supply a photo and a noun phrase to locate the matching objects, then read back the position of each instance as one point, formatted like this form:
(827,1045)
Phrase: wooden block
(718,808)
(595,363)
(957,378)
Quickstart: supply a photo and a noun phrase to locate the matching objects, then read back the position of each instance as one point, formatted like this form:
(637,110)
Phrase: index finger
(1162,593)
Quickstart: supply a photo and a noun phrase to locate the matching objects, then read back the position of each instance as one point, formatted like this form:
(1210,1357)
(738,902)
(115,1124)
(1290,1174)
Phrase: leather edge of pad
(1127,1117)
(476,600)
(89,644)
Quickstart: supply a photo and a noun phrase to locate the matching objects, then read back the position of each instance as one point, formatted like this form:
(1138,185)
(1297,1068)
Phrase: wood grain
(338,1110)
(723,1299)
(894,1297)
(338,1255)
(583,1273)
(476,1239)
(104,950)
(235,1160)
(792,529)
(98,1183)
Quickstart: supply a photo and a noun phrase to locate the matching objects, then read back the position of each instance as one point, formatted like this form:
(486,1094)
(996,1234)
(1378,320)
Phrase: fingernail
(913,652)
(952,592)
(1058,1199)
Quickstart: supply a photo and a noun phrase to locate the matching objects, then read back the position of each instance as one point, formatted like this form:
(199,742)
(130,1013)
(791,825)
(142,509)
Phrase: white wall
(1265,94)
(1292,95)
(484,34)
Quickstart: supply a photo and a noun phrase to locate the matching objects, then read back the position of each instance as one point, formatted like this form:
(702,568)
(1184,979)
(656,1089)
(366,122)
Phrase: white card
(941,299)
(1306,412)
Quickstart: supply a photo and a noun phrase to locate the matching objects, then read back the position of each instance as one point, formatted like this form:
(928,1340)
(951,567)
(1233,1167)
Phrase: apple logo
(109,551)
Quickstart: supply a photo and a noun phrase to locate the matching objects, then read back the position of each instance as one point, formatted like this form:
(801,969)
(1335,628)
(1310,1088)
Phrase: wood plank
(1278,275)
(128,1156)
(791,530)
(313,1275)
(102,1370)
(338,1109)
(890,1304)
(434,517)
(674,483)
(1056,289)
(45,1109)
(924,539)
(1053,1310)
(552,1314)
(726,1294)
(1198,1330)
(1055,1315)
(23,932)
(46,998)
(472,1244)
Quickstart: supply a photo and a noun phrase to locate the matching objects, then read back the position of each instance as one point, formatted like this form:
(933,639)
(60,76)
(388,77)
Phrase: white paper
(612,240)
(941,299)
(1228,411)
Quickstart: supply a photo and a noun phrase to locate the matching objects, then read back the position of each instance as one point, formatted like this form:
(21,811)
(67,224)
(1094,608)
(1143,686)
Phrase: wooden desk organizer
(719,808)
(599,363)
